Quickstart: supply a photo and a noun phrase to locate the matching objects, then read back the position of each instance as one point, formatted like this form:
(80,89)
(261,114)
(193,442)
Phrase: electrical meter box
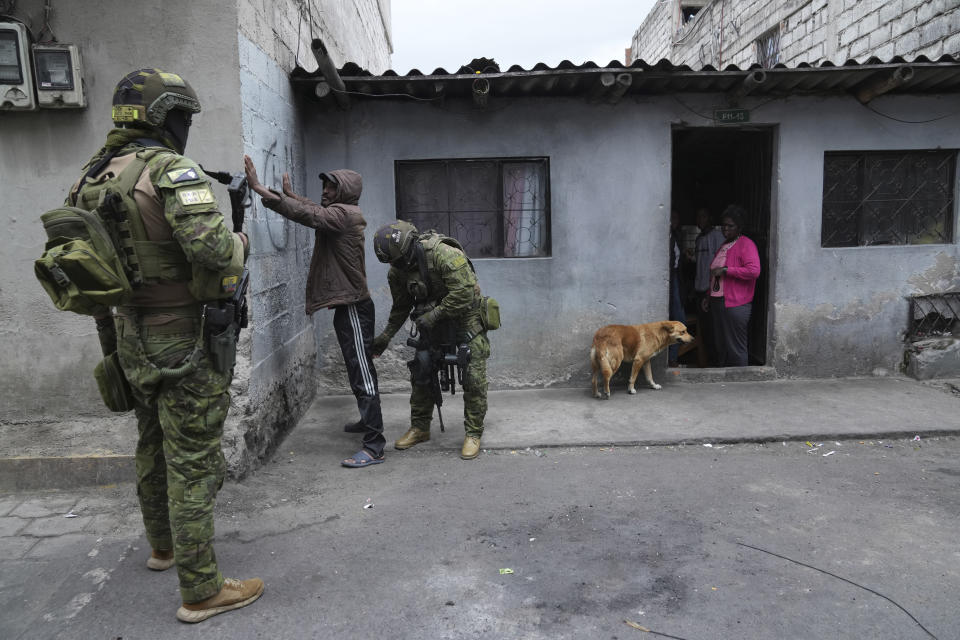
(16,79)
(59,76)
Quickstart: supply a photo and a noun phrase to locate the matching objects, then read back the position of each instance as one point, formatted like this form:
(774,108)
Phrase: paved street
(592,537)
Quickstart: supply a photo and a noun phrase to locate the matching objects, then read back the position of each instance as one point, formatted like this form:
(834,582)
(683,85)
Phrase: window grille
(768,48)
(888,197)
(496,208)
(934,316)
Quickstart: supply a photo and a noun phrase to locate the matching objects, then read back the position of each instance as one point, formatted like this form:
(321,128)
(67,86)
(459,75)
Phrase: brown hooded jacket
(337,270)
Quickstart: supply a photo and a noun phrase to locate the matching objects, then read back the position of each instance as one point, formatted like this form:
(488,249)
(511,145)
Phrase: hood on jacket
(349,185)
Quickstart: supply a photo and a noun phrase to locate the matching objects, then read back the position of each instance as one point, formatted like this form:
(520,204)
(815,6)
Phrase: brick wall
(814,31)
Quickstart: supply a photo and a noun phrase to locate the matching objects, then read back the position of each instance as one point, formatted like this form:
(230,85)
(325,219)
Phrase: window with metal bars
(888,198)
(934,316)
(495,207)
(768,48)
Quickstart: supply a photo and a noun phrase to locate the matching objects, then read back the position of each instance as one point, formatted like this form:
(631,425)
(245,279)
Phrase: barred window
(888,197)
(496,208)
(768,48)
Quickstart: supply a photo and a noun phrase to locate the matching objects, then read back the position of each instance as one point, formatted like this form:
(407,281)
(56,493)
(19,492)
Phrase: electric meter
(59,76)
(16,79)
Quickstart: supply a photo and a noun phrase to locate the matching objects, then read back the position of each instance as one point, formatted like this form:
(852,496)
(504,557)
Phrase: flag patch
(182,175)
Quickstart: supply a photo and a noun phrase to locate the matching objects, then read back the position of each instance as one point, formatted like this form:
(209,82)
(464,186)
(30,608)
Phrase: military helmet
(393,241)
(147,95)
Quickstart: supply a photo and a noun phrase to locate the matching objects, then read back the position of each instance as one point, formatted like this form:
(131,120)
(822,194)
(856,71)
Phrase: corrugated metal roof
(610,83)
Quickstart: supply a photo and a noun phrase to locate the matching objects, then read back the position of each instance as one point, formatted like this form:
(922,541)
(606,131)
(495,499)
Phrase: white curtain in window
(523,200)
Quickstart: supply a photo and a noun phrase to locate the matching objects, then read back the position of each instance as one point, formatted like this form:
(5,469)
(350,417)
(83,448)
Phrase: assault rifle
(438,362)
(224,322)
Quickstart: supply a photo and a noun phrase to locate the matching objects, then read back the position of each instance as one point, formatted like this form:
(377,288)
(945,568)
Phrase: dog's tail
(599,357)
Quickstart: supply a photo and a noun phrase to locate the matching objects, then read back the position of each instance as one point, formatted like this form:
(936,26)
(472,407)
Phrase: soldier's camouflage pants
(474,393)
(180,466)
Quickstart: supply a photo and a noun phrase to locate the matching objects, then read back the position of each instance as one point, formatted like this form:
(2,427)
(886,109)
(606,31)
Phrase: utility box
(59,76)
(16,78)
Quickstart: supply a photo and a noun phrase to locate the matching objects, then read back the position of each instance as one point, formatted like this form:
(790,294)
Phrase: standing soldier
(179,382)
(435,281)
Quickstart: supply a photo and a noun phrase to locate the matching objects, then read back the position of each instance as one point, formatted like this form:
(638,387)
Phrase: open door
(714,167)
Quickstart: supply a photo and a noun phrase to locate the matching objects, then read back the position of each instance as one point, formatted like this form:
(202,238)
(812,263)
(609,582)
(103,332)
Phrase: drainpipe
(329,71)
(752,80)
(882,85)
(481,92)
(601,86)
(623,82)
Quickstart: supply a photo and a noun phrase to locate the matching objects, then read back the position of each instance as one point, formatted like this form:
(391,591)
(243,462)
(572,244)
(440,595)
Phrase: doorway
(714,167)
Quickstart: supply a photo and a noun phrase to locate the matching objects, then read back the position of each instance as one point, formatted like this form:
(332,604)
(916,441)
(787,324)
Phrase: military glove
(379,344)
(427,320)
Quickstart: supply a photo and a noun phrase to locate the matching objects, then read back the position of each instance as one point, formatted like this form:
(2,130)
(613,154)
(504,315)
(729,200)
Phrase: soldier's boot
(471,447)
(233,595)
(411,437)
(160,560)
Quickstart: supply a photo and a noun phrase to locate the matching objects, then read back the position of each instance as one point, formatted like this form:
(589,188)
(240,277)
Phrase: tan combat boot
(410,438)
(471,447)
(233,595)
(160,560)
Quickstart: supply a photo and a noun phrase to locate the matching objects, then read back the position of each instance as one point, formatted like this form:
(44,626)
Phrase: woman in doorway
(733,277)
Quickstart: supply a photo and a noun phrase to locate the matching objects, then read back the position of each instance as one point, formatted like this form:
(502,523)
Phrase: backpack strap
(96,168)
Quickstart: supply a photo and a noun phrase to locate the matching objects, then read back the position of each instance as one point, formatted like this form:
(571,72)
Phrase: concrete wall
(812,31)
(49,356)
(237,56)
(834,312)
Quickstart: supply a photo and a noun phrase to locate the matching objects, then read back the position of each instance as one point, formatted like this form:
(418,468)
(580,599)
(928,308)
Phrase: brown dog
(636,343)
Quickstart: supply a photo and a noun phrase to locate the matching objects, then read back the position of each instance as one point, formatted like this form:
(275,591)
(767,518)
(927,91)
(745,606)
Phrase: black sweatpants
(354,326)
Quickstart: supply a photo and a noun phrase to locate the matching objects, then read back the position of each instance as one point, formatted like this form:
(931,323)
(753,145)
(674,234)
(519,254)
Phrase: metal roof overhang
(611,83)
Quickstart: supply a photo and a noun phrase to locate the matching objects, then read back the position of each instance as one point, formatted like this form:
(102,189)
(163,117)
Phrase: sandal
(361,459)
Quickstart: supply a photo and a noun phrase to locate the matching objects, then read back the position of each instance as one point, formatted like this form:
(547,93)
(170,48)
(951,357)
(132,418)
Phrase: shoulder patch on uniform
(188,174)
(200,195)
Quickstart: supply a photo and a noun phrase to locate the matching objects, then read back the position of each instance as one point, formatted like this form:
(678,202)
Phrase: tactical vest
(426,284)
(98,250)
(145,261)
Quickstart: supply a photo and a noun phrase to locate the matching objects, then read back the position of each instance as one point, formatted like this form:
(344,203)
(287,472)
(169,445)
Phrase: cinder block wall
(280,363)
(814,31)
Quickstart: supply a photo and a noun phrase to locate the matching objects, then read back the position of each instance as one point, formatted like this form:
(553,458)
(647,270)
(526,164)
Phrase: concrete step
(90,450)
(726,408)
(722,374)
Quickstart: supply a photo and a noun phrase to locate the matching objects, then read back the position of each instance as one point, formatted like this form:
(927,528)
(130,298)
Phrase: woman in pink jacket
(733,277)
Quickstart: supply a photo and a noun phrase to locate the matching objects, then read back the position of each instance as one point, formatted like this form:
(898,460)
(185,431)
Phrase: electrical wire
(646,630)
(385,95)
(833,575)
(690,109)
(296,56)
(949,115)
(47,10)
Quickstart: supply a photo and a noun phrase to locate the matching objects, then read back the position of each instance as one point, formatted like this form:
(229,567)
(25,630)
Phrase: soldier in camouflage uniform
(180,409)
(449,294)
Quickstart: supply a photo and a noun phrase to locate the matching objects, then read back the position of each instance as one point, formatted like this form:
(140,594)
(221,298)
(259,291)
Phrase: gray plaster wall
(49,356)
(834,312)
(813,31)
(843,311)
(609,220)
